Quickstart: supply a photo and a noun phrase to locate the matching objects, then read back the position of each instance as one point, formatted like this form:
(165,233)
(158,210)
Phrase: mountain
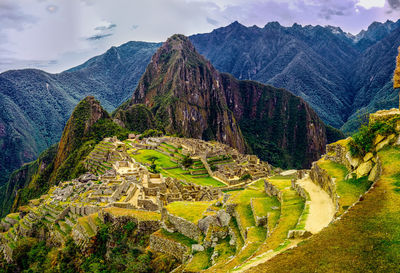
(187,96)
(375,32)
(36,105)
(88,125)
(184,93)
(372,80)
(325,66)
(311,62)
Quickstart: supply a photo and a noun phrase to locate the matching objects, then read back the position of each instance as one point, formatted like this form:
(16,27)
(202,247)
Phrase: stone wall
(173,248)
(299,189)
(261,220)
(320,177)
(143,226)
(272,190)
(182,225)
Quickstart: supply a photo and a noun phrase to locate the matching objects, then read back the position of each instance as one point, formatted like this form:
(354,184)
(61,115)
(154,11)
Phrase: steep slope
(312,62)
(372,80)
(183,91)
(36,105)
(88,124)
(188,97)
(375,32)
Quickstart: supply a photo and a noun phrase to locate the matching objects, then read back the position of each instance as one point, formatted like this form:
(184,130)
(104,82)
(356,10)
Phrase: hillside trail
(322,209)
(321,213)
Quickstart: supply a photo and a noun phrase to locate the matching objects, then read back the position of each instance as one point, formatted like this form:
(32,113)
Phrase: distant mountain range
(341,76)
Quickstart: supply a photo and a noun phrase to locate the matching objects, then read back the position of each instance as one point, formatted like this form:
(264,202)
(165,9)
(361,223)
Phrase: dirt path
(322,209)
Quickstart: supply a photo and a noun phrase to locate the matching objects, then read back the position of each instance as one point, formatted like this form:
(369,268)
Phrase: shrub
(187,162)
(245,177)
(362,142)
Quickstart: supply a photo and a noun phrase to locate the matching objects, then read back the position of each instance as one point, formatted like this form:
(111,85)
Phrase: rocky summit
(183,94)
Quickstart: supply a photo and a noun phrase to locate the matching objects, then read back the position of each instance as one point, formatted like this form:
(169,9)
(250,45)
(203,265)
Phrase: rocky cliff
(188,96)
(183,91)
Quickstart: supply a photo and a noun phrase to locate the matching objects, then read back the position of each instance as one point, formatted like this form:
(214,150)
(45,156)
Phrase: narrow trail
(322,208)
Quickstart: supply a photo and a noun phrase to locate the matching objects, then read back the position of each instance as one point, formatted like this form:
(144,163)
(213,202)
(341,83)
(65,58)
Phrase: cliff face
(183,91)
(278,126)
(188,96)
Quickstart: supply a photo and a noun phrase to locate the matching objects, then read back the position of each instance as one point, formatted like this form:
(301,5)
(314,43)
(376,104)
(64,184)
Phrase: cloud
(212,21)
(394,4)
(98,37)
(104,28)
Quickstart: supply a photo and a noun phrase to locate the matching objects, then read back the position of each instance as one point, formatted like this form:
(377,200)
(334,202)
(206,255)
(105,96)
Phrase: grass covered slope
(366,239)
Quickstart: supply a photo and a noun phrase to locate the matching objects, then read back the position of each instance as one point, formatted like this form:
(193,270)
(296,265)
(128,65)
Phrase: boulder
(378,139)
(368,156)
(382,144)
(354,161)
(197,247)
(223,218)
(204,223)
(364,169)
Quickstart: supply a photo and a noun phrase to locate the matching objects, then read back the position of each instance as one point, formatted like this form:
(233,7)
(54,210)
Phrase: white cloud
(70,31)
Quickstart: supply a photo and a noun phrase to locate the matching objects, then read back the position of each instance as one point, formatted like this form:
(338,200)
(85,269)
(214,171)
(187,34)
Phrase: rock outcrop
(188,96)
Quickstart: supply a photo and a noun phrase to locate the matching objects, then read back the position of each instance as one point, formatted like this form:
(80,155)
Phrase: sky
(55,35)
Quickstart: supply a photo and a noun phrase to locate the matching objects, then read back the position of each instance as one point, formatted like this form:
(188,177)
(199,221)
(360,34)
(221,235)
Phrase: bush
(245,177)
(151,133)
(362,142)
(187,162)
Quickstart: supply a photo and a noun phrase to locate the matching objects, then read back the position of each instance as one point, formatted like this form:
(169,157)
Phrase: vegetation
(115,249)
(364,240)
(362,142)
(164,165)
(191,211)
(349,190)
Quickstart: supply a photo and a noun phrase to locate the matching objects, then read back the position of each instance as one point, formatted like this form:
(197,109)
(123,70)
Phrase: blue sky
(54,35)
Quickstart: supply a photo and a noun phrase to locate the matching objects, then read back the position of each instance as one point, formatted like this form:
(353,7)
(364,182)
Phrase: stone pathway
(322,208)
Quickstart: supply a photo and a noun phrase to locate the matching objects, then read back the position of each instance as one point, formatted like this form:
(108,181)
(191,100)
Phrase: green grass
(164,161)
(262,206)
(191,211)
(348,190)
(177,237)
(366,239)
(200,261)
(178,173)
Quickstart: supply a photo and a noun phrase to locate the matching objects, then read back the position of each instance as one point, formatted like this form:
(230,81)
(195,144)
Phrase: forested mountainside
(187,96)
(328,68)
(36,105)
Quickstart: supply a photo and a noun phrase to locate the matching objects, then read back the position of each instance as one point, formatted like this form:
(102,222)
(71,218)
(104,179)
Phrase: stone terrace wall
(320,177)
(183,226)
(143,226)
(179,251)
(272,190)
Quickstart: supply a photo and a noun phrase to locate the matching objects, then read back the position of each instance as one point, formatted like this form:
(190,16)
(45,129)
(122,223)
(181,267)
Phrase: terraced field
(170,168)
(366,239)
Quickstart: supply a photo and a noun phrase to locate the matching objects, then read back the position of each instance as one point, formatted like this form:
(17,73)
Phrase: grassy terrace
(291,209)
(191,211)
(255,235)
(175,236)
(348,190)
(366,239)
(138,214)
(163,161)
